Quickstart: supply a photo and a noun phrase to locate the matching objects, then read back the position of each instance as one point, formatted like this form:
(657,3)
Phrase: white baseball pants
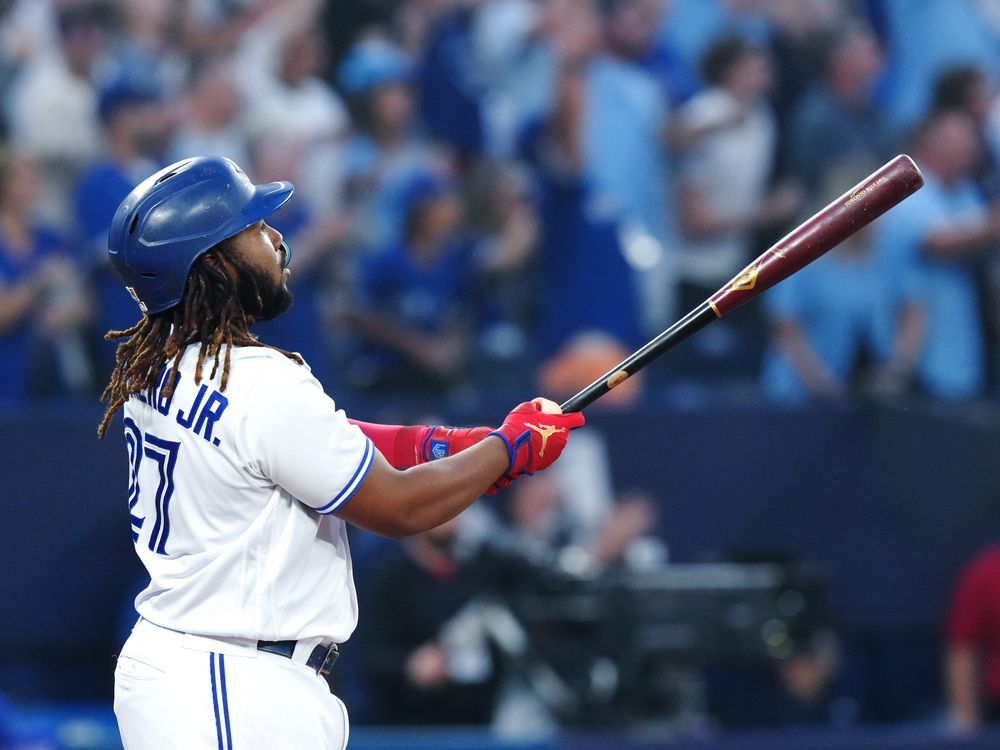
(175,690)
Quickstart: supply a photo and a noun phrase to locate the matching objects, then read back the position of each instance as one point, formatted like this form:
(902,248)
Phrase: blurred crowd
(490,191)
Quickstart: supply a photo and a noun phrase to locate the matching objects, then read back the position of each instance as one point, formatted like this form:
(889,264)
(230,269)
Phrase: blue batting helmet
(173,217)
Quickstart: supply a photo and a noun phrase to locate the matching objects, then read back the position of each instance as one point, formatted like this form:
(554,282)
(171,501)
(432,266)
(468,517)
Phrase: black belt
(321,659)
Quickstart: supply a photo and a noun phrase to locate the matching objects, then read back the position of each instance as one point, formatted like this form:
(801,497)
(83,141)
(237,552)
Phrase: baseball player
(243,475)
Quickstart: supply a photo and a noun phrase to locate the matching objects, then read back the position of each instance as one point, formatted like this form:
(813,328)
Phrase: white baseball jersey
(230,496)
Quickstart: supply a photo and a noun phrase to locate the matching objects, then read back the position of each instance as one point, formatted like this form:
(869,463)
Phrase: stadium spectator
(930,244)
(837,123)
(146,53)
(280,64)
(837,315)
(315,241)
(690,26)
(587,286)
(52,110)
(414,306)
(972,659)
(615,114)
(502,217)
(730,142)
(516,68)
(28,30)
(43,304)
(548,522)
(211,122)
(451,89)
(132,121)
(967,88)
(796,45)
(385,150)
(946,33)
(420,665)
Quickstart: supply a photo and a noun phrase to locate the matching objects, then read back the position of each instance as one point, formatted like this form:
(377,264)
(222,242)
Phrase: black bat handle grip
(694,321)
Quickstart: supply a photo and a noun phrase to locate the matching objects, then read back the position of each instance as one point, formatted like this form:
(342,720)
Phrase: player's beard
(255,283)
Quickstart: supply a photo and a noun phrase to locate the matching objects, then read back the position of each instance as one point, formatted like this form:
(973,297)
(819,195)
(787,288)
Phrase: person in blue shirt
(129,116)
(451,89)
(386,149)
(843,311)
(616,113)
(586,286)
(924,39)
(837,121)
(932,242)
(414,310)
(43,304)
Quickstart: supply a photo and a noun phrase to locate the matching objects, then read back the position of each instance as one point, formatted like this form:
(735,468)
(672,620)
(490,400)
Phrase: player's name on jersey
(200,415)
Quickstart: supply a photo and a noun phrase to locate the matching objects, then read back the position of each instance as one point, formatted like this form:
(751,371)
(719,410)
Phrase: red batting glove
(534,439)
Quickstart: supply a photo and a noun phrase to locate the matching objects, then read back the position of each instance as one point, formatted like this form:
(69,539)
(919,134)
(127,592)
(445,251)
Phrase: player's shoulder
(250,364)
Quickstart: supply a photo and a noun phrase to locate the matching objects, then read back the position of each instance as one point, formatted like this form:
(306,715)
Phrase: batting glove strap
(518,447)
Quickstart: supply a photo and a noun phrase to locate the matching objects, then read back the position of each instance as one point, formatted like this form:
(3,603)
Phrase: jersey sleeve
(292,434)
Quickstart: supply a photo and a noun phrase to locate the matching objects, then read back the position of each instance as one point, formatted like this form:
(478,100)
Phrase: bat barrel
(826,229)
(852,211)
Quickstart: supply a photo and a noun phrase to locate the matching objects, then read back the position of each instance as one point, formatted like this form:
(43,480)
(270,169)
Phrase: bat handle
(694,321)
(578,402)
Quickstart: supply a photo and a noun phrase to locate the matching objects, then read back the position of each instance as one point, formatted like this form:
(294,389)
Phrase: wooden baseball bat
(855,209)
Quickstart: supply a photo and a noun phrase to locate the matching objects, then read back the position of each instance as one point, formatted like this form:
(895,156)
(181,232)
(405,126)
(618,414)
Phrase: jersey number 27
(164,454)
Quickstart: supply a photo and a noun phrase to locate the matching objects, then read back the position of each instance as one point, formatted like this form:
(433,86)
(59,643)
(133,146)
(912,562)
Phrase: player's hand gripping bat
(855,209)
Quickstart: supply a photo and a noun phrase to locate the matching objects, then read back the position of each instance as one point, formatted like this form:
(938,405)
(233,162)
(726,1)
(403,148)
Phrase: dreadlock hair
(219,305)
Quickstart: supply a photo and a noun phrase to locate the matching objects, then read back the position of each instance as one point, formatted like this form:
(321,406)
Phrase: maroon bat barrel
(852,211)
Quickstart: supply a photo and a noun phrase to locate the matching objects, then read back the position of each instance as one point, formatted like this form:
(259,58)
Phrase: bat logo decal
(746,280)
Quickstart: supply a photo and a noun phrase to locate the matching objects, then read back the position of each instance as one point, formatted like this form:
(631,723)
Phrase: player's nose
(280,247)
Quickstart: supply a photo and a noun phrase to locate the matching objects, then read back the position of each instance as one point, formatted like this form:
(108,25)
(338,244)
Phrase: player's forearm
(440,490)
(399,504)
(961,676)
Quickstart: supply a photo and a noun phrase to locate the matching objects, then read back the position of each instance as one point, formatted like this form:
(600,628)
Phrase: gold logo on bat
(617,379)
(546,431)
(745,280)
(860,192)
